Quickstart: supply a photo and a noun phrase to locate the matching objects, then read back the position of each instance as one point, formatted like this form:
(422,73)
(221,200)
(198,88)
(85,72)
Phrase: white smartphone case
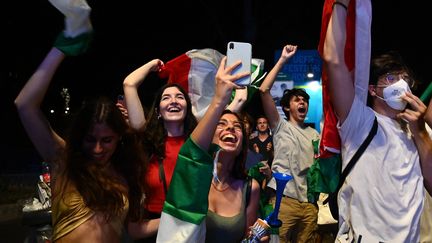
(240,51)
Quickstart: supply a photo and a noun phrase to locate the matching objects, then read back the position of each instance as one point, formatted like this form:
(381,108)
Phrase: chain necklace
(222,189)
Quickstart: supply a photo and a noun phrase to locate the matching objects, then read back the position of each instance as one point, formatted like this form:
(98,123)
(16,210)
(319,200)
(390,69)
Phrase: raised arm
(130,88)
(239,100)
(203,133)
(28,102)
(341,83)
(267,100)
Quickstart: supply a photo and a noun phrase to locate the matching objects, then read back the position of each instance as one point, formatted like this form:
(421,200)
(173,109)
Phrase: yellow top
(69,212)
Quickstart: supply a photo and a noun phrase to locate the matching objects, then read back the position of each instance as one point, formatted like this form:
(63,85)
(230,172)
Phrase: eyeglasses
(392,78)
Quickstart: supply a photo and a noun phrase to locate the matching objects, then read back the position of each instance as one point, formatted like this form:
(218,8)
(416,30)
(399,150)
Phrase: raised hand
(414,114)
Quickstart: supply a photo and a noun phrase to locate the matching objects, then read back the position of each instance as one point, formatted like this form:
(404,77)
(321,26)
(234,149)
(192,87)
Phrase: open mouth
(230,138)
(174,109)
(302,109)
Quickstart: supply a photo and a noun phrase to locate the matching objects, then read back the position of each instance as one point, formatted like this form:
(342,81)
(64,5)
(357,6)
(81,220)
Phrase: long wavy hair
(99,189)
(239,168)
(154,132)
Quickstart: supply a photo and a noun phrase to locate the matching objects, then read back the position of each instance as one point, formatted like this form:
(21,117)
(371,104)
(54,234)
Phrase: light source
(309,74)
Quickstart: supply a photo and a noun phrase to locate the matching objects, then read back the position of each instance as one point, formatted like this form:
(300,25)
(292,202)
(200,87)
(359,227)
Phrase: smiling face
(229,134)
(100,143)
(172,106)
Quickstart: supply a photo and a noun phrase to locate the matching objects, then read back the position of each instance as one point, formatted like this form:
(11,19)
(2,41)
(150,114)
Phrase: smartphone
(120,99)
(240,51)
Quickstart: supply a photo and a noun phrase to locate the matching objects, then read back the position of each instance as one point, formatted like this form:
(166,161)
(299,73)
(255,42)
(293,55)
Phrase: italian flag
(324,175)
(195,71)
(357,58)
(186,205)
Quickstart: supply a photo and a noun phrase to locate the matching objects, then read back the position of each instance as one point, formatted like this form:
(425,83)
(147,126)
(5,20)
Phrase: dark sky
(130,33)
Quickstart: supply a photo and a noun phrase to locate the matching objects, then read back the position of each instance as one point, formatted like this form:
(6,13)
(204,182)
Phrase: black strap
(162,175)
(358,154)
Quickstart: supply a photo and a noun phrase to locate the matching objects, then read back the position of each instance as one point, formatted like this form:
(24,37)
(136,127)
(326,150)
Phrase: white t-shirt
(382,197)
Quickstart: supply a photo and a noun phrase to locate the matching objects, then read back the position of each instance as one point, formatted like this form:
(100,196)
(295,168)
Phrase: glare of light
(52,111)
(314,85)
(67,108)
(310,75)
(66,112)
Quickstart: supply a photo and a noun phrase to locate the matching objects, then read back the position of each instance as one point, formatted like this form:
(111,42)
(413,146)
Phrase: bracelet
(339,3)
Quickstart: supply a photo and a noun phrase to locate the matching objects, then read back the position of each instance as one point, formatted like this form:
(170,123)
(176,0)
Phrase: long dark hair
(239,169)
(100,190)
(154,132)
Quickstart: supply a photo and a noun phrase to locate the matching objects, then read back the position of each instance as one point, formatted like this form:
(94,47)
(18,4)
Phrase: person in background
(386,184)
(293,155)
(164,130)
(263,143)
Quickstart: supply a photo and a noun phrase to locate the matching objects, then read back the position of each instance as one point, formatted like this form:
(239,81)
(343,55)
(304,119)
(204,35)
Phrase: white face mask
(392,94)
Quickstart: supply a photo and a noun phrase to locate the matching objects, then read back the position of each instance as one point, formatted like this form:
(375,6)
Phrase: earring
(159,116)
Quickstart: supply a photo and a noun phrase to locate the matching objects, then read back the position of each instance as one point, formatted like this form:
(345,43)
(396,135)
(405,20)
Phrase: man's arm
(266,98)
(341,83)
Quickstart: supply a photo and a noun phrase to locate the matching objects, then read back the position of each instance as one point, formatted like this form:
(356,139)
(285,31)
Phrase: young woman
(96,169)
(231,210)
(169,123)
(198,203)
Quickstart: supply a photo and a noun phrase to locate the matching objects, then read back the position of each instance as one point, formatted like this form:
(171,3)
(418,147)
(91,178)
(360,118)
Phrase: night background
(130,33)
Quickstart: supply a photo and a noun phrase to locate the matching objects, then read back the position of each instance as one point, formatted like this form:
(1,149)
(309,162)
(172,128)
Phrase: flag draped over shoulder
(186,205)
(324,174)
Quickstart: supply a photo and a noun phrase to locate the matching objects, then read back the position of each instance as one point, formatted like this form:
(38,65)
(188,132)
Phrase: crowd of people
(125,170)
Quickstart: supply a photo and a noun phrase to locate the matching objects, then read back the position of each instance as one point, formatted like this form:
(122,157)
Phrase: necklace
(220,189)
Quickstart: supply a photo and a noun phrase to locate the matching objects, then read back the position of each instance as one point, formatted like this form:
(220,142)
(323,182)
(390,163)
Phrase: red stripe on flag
(330,136)
(177,71)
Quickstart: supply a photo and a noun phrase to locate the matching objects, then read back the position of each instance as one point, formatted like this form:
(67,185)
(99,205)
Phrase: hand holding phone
(121,104)
(120,99)
(240,51)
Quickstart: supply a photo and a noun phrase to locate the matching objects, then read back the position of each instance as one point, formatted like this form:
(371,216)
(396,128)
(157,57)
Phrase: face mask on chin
(392,95)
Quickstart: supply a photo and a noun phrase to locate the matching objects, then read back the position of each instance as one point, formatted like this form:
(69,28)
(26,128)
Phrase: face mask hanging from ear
(392,95)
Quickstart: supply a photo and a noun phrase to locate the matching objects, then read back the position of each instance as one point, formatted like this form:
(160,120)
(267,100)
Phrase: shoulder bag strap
(359,153)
